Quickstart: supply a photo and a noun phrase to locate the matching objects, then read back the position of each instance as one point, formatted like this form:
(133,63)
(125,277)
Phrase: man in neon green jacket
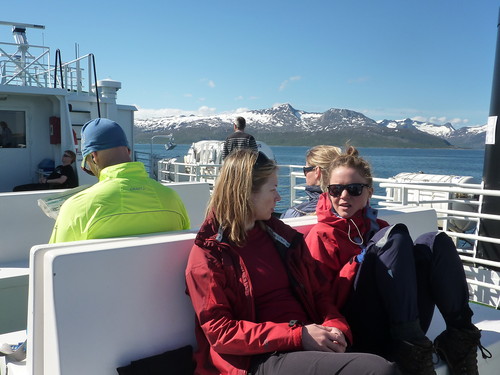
(125,201)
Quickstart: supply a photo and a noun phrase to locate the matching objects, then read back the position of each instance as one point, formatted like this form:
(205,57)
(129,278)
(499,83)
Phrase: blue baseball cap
(101,134)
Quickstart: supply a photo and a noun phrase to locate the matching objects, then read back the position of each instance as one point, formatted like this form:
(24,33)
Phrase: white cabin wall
(19,165)
(125,116)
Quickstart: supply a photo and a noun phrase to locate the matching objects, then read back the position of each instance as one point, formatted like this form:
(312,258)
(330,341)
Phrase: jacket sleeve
(324,297)
(214,305)
(252,143)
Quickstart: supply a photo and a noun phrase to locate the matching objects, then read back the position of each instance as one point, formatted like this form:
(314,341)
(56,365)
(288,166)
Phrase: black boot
(415,357)
(458,348)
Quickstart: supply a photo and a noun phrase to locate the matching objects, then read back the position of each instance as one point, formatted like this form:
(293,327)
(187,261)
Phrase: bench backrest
(24,226)
(97,305)
(418,220)
(27,225)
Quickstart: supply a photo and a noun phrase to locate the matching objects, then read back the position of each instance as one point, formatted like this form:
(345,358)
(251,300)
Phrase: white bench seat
(118,300)
(28,226)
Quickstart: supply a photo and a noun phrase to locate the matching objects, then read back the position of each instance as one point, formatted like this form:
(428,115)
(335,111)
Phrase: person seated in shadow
(63,176)
(318,160)
(262,305)
(5,135)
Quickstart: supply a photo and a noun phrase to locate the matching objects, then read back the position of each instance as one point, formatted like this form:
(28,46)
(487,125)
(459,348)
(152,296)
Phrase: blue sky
(423,59)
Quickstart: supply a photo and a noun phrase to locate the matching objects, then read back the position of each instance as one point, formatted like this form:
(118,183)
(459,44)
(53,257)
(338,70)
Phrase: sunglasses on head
(354,190)
(262,159)
(307,170)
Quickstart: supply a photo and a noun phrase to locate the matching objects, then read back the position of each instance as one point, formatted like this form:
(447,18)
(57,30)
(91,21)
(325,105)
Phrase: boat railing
(457,205)
(291,177)
(73,74)
(21,67)
(177,172)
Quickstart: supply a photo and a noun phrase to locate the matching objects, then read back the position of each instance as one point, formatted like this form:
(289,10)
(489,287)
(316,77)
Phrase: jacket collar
(365,219)
(130,168)
(211,231)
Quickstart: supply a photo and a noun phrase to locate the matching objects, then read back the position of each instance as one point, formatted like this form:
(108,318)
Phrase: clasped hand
(321,338)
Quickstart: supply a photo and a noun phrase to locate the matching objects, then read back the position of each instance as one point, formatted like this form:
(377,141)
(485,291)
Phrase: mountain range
(285,125)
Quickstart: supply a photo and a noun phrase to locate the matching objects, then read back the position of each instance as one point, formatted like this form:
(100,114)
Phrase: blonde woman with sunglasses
(318,160)
(386,285)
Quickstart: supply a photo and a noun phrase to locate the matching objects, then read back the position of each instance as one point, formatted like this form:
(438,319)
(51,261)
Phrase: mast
(491,171)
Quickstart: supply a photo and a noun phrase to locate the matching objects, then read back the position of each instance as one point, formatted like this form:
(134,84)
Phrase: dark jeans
(321,363)
(400,282)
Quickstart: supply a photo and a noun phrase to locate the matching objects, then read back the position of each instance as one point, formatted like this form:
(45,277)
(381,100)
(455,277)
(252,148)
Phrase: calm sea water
(385,162)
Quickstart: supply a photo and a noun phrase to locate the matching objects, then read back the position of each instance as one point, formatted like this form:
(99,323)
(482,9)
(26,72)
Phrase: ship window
(12,129)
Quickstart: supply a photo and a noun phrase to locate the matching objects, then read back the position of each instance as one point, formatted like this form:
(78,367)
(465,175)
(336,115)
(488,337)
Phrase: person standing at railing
(125,201)
(239,139)
(261,303)
(386,285)
(318,160)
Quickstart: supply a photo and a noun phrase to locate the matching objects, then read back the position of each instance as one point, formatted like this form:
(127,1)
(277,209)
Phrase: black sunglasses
(262,159)
(307,170)
(85,169)
(354,190)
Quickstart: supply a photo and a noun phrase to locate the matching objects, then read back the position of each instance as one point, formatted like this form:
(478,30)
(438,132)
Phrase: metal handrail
(446,189)
(32,71)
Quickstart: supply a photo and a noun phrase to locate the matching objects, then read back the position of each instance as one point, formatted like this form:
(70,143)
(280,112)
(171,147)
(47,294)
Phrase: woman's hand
(324,339)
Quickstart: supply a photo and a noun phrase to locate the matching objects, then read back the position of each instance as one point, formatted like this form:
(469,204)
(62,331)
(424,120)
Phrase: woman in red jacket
(262,305)
(386,285)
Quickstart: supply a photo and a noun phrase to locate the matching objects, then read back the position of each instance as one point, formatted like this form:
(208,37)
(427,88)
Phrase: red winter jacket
(221,292)
(329,243)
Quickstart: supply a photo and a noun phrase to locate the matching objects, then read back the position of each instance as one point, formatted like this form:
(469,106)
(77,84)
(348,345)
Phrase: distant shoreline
(360,147)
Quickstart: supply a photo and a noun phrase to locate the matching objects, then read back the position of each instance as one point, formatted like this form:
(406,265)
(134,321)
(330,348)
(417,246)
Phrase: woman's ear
(317,175)
(370,193)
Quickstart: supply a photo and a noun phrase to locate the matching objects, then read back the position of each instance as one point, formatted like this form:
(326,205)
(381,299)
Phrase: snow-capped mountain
(279,117)
(442,131)
(286,125)
(469,136)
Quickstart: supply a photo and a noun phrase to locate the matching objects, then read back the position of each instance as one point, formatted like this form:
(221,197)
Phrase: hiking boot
(458,348)
(415,357)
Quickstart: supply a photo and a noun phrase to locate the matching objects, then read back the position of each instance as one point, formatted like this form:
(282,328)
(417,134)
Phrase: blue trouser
(400,282)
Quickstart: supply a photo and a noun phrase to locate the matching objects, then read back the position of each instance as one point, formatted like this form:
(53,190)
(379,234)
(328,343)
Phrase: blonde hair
(244,172)
(351,159)
(321,156)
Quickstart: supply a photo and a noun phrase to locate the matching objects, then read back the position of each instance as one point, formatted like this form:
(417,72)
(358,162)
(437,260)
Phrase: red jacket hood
(365,219)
